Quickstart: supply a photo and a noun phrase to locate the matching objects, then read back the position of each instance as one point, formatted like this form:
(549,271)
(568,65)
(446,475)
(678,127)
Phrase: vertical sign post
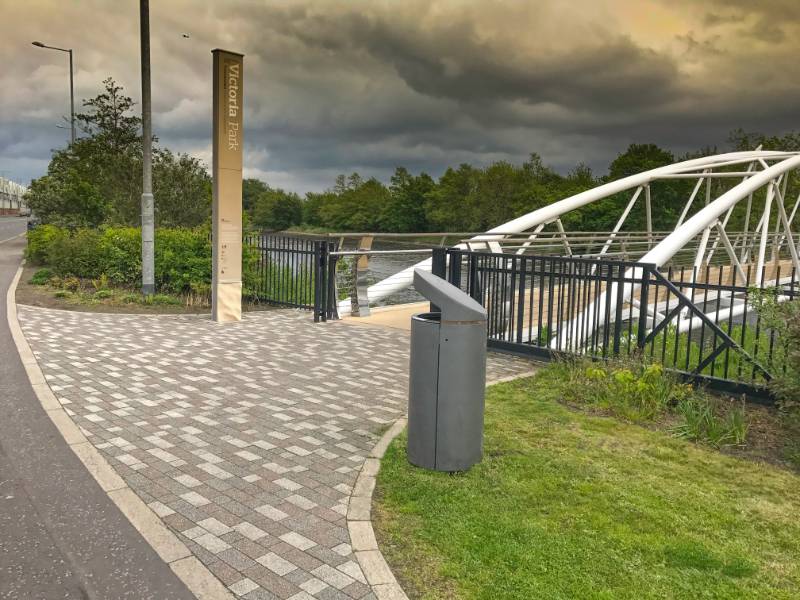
(226,253)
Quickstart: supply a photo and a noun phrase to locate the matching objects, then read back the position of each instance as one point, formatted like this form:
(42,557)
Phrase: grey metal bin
(447,378)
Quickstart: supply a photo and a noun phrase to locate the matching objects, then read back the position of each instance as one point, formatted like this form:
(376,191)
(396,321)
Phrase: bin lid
(454,303)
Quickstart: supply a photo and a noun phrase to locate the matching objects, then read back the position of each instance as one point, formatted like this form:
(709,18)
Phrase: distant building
(12,201)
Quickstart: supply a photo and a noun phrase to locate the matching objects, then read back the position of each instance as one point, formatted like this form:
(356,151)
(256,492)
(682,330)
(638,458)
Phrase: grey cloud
(368,86)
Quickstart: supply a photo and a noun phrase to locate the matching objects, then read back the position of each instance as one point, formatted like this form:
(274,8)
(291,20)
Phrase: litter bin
(447,378)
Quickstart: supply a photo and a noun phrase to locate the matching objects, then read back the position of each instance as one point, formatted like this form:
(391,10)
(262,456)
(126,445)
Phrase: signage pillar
(226,252)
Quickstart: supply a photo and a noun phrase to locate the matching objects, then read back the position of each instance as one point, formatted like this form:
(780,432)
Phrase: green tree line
(97,180)
(472,199)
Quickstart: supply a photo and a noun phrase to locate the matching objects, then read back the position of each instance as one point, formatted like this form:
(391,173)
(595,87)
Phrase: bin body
(462,389)
(446,392)
(422,389)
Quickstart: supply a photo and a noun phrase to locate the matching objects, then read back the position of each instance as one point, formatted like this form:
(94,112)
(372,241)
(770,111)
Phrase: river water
(382,266)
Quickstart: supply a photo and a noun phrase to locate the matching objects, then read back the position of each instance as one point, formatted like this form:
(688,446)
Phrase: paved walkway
(245,438)
(61,536)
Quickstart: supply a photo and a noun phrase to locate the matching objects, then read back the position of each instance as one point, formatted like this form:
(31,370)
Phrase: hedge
(182,256)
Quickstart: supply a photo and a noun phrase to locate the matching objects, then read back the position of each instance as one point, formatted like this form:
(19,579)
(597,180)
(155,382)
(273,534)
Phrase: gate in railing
(689,320)
(289,271)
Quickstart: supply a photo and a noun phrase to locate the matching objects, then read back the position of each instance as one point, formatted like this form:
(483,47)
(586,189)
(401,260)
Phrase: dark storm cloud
(450,61)
(338,87)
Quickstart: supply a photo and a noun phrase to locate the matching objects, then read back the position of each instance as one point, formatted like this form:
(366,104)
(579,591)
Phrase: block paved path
(61,536)
(245,438)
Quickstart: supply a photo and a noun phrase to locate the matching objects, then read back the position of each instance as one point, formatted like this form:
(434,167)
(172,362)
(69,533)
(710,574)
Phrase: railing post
(641,332)
(332,296)
(618,310)
(454,271)
(319,270)
(438,268)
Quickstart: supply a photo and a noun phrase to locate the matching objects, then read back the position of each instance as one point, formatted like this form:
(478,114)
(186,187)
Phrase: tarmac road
(61,536)
(12,226)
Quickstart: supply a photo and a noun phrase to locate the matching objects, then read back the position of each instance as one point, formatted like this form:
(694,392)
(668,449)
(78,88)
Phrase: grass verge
(573,505)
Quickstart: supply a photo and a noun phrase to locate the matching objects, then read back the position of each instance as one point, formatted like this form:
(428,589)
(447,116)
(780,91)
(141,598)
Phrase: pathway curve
(61,536)
(245,438)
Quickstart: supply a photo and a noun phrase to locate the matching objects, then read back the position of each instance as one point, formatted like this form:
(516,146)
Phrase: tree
(98,178)
(312,207)
(668,197)
(445,206)
(277,210)
(251,190)
(66,201)
(354,204)
(182,187)
(404,210)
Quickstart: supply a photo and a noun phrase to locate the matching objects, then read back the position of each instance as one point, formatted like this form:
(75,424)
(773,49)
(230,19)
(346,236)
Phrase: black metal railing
(287,271)
(701,323)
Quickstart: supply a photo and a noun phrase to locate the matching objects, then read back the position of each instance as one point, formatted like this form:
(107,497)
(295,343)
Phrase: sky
(369,85)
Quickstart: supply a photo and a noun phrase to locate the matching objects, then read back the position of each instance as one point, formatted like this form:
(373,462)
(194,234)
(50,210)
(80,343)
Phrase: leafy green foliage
(642,392)
(636,391)
(111,256)
(701,422)
(784,319)
(276,209)
(98,178)
(251,190)
(41,277)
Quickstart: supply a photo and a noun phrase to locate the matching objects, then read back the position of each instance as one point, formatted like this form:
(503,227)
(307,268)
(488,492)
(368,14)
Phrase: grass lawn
(569,505)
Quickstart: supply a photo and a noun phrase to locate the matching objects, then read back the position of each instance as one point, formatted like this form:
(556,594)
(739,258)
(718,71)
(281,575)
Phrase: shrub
(76,254)
(161,300)
(783,318)
(102,294)
(71,284)
(113,256)
(182,257)
(41,277)
(121,255)
(131,298)
(635,391)
(39,241)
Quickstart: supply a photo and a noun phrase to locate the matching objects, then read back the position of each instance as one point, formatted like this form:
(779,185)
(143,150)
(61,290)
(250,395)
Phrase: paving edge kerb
(359,515)
(200,581)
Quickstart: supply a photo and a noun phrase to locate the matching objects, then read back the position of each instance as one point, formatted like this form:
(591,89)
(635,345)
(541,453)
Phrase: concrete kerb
(359,515)
(359,522)
(200,581)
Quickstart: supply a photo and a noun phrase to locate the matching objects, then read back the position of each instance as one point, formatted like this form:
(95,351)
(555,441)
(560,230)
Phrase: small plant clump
(41,277)
(645,393)
(702,423)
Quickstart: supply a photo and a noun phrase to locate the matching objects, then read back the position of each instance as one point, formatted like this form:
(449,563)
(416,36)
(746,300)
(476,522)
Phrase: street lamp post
(148,211)
(71,86)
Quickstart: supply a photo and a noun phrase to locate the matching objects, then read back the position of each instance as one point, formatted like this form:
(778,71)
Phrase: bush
(783,318)
(635,391)
(41,277)
(102,294)
(642,392)
(113,256)
(76,254)
(39,241)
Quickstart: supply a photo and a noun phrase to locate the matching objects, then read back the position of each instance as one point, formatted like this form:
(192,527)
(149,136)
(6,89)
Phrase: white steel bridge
(753,186)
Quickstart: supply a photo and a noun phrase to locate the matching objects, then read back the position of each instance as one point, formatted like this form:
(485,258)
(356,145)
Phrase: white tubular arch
(571,336)
(661,252)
